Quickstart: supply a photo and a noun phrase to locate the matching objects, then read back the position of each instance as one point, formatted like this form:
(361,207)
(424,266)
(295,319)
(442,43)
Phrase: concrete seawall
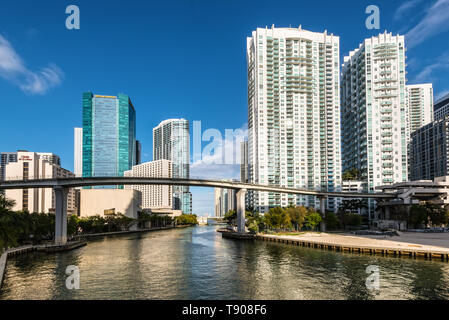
(399,250)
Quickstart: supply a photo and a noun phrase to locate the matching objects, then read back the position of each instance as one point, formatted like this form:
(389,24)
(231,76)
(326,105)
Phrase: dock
(400,250)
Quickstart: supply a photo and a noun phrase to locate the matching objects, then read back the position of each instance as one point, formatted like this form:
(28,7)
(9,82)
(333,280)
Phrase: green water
(196,263)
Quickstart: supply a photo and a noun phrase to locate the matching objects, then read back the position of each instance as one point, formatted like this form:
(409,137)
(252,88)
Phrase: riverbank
(362,244)
(48,248)
(102,234)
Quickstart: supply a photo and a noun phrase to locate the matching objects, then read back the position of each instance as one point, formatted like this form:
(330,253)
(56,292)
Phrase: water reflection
(196,263)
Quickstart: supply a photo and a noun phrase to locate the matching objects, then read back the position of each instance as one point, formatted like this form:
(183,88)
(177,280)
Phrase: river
(197,263)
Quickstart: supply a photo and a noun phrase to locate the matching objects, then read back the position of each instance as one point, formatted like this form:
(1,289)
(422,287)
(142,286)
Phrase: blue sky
(174,59)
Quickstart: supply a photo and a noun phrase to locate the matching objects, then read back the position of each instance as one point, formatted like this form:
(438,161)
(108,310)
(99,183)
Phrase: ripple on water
(196,263)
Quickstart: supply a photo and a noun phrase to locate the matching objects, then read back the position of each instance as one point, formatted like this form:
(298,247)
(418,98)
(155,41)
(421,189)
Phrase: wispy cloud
(441,95)
(434,22)
(404,8)
(14,70)
(427,74)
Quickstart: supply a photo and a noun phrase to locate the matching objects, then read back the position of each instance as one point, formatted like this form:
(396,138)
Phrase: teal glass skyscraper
(109,135)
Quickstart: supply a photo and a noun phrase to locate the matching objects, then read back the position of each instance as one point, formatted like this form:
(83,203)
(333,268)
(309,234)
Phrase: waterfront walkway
(362,244)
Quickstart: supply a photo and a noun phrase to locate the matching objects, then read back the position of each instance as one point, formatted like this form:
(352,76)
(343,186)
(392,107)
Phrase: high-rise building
(138,152)
(78,152)
(441,107)
(244,161)
(419,99)
(375,128)
(224,201)
(429,151)
(109,135)
(153,196)
(171,142)
(31,165)
(293,114)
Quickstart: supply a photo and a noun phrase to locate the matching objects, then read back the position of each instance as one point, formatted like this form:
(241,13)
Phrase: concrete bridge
(61,187)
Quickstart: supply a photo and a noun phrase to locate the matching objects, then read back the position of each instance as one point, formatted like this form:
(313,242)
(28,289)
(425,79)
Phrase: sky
(176,59)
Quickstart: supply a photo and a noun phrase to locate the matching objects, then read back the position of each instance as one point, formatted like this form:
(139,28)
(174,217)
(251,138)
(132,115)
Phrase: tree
(297,215)
(313,219)
(418,215)
(230,217)
(187,219)
(351,174)
(436,215)
(277,218)
(331,220)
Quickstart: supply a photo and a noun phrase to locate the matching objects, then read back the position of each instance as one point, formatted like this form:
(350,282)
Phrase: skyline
(150,77)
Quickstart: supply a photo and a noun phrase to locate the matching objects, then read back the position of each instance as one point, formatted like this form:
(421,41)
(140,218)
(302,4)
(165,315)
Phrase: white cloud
(224,163)
(441,95)
(434,22)
(426,75)
(13,69)
(404,8)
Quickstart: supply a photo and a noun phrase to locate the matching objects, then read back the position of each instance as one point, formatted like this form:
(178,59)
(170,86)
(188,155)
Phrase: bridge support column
(61,215)
(387,213)
(240,195)
(323,213)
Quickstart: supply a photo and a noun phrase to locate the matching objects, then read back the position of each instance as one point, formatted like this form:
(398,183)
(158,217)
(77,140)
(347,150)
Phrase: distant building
(31,165)
(244,161)
(429,151)
(171,141)
(225,200)
(419,99)
(138,152)
(78,152)
(50,157)
(441,107)
(109,135)
(6,158)
(153,196)
(108,201)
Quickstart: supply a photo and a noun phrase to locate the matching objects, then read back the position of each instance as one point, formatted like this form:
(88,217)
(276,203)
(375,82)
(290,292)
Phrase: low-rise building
(32,165)
(107,201)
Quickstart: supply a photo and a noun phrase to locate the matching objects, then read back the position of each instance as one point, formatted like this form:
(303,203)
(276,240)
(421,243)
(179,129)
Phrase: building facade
(110,201)
(419,99)
(224,201)
(153,196)
(441,107)
(5,159)
(31,165)
(375,126)
(171,141)
(244,161)
(78,152)
(109,135)
(293,114)
(429,151)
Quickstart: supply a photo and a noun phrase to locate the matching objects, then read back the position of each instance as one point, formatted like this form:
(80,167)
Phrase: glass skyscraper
(171,142)
(109,135)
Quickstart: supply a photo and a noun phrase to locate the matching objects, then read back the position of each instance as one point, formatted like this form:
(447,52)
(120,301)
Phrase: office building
(171,142)
(50,158)
(419,99)
(78,152)
(293,114)
(109,135)
(6,158)
(225,200)
(429,152)
(31,165)
(441,107)
(153,196)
